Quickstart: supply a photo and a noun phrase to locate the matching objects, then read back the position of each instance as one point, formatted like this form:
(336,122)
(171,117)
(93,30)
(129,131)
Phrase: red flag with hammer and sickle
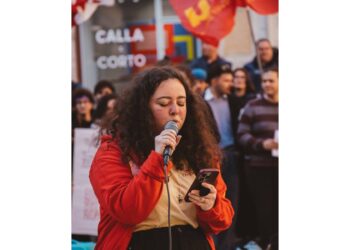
(211,20)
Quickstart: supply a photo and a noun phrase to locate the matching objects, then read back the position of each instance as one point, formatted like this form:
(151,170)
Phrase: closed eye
(163,104)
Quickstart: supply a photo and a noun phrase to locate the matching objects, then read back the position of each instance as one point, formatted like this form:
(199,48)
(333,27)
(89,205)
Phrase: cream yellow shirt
(181,212)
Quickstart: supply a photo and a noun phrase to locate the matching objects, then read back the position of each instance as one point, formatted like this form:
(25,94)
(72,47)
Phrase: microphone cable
(167,189)
(166,155)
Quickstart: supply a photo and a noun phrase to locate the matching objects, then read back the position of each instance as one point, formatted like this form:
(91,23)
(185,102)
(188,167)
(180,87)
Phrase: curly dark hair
(102,106)
(78,93)
(187,72)
(103,84)
(133,124)
(250,88)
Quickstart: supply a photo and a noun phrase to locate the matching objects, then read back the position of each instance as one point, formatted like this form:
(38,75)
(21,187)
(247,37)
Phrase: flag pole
(254,41)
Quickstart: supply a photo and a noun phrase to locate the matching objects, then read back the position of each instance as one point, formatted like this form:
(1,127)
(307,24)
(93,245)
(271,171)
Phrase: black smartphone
(207,175)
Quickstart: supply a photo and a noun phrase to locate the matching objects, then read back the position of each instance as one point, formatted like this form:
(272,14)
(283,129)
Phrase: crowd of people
(90,109)
(227,119)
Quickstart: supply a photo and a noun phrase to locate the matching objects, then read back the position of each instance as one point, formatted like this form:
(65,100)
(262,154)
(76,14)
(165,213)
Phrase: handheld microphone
(168,150)
(166,155)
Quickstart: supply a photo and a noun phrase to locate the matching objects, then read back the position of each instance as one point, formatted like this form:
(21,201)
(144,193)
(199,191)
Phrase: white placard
(275,151)
(85,208)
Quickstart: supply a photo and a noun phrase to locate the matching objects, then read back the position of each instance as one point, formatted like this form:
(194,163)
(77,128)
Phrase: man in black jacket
(221,105)
(210,56)
(269,59)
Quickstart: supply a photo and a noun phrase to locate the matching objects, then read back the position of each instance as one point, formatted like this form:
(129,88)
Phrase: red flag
(263,7)
(210,20)
(82,10)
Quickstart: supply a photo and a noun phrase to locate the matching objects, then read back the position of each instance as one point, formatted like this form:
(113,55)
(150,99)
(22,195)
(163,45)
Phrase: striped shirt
(258,122)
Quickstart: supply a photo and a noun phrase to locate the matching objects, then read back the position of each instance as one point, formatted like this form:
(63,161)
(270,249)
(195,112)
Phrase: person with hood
(269,59)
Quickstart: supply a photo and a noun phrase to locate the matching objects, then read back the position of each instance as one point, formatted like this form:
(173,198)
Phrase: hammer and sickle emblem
(194,18)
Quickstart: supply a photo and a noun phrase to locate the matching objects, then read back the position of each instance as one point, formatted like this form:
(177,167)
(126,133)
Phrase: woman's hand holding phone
(204,202)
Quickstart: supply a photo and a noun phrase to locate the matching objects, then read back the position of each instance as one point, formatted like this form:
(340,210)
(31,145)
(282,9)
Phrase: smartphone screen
(207,175)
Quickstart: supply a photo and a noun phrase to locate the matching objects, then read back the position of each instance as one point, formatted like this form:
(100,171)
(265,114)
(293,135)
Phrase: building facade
(123,39)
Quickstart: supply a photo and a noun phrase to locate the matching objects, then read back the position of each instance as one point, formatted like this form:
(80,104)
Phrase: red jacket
(126,200)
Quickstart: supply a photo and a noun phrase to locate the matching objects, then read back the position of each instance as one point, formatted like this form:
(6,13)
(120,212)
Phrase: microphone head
(172,125)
